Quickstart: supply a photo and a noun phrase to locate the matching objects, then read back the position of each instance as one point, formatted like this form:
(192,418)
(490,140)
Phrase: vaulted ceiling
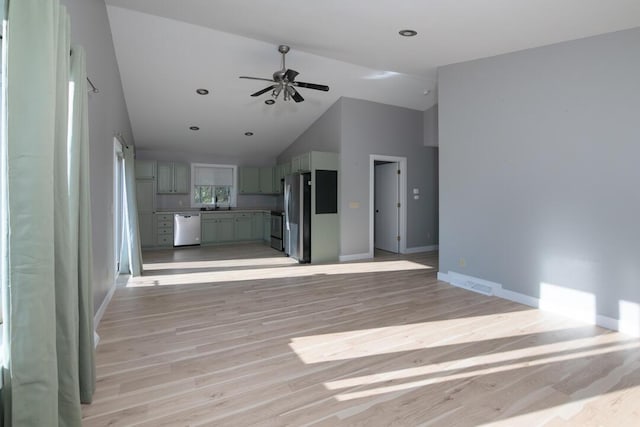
(168,49)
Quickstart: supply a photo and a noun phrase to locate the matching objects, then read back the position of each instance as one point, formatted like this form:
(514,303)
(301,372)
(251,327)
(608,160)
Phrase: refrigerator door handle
(287,198)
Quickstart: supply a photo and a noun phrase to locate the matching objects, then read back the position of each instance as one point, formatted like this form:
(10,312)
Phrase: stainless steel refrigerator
(297,216)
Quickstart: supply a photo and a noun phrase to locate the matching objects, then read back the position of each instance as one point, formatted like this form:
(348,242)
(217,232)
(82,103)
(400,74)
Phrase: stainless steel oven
(276,230)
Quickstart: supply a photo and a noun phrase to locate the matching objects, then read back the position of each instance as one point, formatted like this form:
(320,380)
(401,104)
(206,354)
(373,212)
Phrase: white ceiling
(167,49)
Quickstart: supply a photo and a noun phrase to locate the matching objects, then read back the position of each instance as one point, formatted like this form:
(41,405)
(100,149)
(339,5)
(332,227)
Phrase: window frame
(234,188)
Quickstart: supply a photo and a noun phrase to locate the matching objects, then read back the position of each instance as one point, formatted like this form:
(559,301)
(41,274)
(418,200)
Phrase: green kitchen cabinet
(266,227)
(217,228)
(145,169)
(281,171)
(255,180)
(257,227)
(266,181)
(146,226)
(301,163)
(249,180)
(173,178)
(244,226)
(164,229)
(146,202)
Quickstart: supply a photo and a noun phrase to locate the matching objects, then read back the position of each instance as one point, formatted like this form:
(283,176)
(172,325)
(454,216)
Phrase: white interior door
(387,211)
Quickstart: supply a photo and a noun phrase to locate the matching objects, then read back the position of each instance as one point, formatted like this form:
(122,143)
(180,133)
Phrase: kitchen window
(213,185)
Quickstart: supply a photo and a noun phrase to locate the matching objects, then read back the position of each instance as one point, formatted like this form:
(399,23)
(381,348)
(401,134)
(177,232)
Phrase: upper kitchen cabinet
(173,178)
(254,180)
(301,163)
(145,169)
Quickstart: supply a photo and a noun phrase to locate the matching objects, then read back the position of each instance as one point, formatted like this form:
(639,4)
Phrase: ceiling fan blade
(255,78)
(295,94)
(311,86)
(290,75)
(265,90)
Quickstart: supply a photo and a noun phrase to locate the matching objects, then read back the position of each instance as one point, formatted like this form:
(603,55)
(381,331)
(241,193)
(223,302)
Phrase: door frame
(402,163)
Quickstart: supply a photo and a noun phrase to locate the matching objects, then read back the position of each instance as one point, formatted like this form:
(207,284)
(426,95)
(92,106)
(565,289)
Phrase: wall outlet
(462,262)
(180,203)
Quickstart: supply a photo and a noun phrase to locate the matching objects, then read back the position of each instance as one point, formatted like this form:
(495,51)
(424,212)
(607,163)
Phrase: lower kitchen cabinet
(244,226)
(266,227)
(146,227)
(217,228)
(164,229)
(233,227)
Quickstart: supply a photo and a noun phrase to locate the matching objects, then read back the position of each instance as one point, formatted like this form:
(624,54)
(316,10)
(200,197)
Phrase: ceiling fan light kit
(283,81)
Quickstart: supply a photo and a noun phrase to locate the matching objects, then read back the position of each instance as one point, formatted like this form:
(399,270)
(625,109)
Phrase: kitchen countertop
(219,211)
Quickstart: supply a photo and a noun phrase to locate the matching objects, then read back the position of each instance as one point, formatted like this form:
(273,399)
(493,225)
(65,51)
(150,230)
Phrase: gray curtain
(46,240)
(131,254)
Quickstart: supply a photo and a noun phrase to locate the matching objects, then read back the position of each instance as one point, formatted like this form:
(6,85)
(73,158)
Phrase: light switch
(416,191)
(416,197)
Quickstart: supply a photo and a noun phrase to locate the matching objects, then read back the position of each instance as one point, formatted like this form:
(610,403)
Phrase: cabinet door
(208,231)
(145,169)
(146,195)
(305,162)
(181,174)
(165,177)
(244,227)
(225,230)
(257,226)
(266,227)
(145,225)
(295,164)
(266,180)
(249,180)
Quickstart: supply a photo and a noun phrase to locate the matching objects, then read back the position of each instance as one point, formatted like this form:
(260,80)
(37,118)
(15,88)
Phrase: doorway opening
(387,203)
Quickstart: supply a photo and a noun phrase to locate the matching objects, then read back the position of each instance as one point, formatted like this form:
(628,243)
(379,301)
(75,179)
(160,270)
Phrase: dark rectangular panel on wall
(326,191)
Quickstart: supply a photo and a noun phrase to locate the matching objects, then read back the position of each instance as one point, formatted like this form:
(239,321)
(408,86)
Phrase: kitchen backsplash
(181,201)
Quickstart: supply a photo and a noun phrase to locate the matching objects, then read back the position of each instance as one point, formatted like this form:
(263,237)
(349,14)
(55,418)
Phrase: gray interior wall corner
(431,126)
(323,135)
(539,169)
(107,116)
(373,128)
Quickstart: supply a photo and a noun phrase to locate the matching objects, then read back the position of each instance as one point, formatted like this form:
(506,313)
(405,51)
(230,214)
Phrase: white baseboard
(97,317)
(419,249)
(355,257)
(490,288)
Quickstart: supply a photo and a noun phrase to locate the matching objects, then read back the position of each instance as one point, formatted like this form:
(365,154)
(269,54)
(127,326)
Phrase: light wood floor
(238,336)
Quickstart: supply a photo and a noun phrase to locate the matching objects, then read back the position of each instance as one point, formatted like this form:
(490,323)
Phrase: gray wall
(373,128)
(323,135)
(107,116)
(430,118)
(539,172)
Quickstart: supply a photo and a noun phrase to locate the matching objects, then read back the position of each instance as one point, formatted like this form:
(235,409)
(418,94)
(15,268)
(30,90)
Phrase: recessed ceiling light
(408,33)
(194,128)
(202,91)
(248,133)
(269,102)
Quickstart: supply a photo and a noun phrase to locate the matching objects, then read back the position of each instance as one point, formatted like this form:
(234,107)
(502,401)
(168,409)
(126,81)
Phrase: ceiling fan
(283,81)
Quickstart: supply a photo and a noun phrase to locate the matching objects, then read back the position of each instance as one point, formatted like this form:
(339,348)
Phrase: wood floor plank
(239,336)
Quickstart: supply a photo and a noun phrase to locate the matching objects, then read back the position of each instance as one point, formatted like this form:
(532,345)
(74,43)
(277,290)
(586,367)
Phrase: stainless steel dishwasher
(186,229)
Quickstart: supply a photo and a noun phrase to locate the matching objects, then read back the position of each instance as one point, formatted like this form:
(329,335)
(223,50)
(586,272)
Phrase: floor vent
(480,288)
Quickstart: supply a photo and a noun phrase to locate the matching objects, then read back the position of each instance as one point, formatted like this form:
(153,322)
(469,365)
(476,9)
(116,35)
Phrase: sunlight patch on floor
(414,336)
(226,263)
(528,358)
(299,270)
